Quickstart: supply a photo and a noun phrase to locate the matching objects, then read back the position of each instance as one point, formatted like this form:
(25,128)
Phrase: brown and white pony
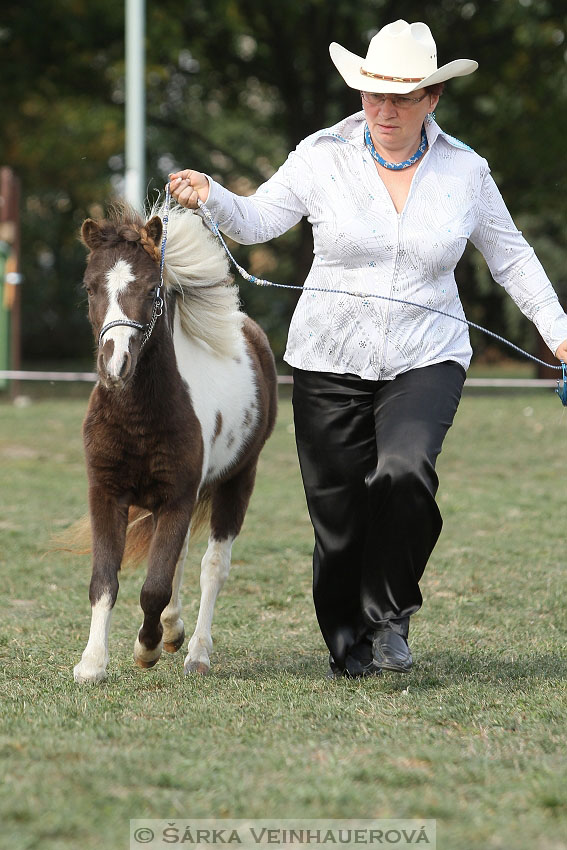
(176,420)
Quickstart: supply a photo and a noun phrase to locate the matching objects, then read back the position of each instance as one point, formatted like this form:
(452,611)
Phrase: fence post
(4,315)
(10,278)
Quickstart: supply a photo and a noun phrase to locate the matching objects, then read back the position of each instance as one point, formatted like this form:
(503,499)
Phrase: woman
(392,200)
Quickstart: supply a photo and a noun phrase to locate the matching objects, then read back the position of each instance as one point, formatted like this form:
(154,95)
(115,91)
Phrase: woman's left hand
(561,352)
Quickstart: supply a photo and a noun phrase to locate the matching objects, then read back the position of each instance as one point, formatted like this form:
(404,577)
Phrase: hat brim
(349,64)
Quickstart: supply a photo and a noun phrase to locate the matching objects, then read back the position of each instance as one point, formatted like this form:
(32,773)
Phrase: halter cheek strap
(158,305)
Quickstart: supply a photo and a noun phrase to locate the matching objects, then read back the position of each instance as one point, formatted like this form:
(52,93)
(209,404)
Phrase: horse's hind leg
(109,532)
(167,543)
(229,502)
(215,568)
(173,627)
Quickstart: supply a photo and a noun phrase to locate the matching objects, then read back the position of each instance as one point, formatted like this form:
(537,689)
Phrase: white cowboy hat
(401,57)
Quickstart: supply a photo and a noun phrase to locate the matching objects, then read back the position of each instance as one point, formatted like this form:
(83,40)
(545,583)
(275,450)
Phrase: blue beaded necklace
(395,166)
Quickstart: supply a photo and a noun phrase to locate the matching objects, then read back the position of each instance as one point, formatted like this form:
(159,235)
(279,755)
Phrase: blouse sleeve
(514,265)
(276,206)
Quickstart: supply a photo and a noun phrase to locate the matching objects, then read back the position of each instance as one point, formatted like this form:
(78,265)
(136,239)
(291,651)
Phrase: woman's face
(395,127)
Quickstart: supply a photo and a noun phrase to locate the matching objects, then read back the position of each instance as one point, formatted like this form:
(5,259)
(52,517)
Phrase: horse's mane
(196,267)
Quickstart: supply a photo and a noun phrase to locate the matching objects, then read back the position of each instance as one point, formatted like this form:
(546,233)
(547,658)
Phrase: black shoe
(391,652)
(354,668)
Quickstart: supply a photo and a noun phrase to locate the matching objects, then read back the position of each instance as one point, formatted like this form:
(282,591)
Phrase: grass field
(475,737)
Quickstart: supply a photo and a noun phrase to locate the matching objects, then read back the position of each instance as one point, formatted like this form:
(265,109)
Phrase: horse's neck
(157,373)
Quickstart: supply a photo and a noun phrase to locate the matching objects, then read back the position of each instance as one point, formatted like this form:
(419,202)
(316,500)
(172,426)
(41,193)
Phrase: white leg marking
(215,567)
(92,666)
(146,657)
(173,627)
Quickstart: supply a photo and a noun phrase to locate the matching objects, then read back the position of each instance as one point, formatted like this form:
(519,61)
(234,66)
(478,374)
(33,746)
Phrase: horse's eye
(89,290)
(152,292)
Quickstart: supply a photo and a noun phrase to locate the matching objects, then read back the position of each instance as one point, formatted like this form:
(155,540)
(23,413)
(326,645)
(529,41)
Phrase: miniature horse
(185,401)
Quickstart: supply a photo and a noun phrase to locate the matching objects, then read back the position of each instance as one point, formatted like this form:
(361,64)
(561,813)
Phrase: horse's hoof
(196,667)
(174,645)
(145,665)
(146,658)
(85,675)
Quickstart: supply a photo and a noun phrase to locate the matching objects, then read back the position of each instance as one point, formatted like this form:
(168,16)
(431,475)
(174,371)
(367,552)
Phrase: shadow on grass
(434,669)
(431,670)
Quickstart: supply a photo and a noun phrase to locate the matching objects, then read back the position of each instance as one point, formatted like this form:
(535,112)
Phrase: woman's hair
(436,89)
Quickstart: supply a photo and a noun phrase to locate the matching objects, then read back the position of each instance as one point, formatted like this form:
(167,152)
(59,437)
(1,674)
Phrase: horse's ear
(154,229)
(91,234)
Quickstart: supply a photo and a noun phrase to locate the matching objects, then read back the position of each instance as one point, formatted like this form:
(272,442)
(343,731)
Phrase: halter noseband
(130,323)
(157,310)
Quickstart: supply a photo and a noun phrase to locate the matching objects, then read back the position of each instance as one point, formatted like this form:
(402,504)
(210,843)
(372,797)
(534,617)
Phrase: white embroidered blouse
(361,244)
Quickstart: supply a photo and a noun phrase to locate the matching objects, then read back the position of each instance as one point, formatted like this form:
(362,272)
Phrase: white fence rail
(90,377)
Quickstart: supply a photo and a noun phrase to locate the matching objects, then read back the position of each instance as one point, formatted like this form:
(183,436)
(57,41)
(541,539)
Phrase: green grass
(474,737)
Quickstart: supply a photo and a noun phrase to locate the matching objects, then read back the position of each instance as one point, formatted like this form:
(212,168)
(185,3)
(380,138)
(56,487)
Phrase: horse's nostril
(126,363)
(101,362)
(105,353)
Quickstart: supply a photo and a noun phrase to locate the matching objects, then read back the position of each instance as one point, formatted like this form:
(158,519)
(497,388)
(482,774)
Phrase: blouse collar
(351,131)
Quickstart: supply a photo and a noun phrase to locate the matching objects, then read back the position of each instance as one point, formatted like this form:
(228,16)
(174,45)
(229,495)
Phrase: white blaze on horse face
(117,280)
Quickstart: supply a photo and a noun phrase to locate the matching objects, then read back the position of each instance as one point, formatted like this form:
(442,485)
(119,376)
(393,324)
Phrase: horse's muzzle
(114,367)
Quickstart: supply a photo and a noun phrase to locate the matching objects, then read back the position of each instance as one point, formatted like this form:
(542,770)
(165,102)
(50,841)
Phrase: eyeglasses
(398,101)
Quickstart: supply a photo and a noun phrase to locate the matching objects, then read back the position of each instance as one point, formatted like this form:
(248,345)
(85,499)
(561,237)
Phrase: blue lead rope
(561,389)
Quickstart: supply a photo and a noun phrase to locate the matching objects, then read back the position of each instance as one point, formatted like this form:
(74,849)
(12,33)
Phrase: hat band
(391,79)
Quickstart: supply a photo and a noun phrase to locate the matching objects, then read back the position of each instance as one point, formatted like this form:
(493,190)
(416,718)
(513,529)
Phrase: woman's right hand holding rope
(189,187)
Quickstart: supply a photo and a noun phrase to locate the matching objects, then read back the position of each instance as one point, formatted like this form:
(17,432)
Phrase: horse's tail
(201,516)
(138,536)
(141,528)
(77,539)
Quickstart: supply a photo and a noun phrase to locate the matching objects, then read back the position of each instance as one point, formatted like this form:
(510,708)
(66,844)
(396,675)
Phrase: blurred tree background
(232,87)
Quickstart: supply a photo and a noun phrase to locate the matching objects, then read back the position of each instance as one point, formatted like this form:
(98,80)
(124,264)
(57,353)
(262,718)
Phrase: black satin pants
(367,452)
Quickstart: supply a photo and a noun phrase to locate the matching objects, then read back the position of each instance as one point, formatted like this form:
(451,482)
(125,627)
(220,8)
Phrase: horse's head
(121,281)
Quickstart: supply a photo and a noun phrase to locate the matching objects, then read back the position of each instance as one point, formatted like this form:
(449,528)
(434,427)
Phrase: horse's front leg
(173,626)
(165,553)
(108,524)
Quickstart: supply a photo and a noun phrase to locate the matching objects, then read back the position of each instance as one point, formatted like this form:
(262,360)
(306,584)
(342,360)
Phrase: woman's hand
(188,187)
(561,352)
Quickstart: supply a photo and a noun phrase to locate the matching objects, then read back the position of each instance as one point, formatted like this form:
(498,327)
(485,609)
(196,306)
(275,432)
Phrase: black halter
(130,323)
